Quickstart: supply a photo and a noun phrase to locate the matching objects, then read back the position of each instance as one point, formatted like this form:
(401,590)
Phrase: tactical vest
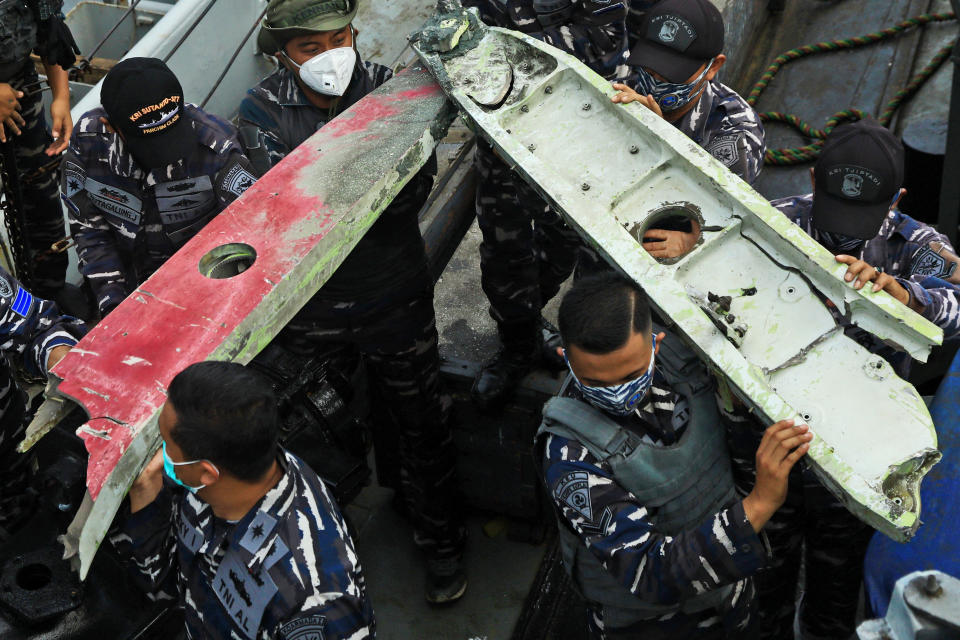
(684,483)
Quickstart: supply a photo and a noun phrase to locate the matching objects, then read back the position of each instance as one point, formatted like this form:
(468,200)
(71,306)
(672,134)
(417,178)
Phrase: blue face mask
(838,243)
(619,399)
(170,468)
(669,95)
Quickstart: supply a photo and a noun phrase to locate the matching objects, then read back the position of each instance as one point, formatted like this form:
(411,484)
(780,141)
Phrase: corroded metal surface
(301,219)
(752,297)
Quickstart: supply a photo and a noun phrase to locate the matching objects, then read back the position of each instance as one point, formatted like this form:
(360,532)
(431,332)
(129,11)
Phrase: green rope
(809,152)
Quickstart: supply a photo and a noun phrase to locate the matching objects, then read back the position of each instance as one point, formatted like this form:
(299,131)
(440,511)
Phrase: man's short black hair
(601,312)
(226,414)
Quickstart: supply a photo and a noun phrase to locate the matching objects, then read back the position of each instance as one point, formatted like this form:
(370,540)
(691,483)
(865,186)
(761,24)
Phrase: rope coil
(799,155)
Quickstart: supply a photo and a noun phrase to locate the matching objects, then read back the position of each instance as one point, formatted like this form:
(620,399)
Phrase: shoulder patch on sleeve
(305,628)
(927,262)
(725,149)
(573,490)
(23,303)
(6,286)
(235,179)
(74,178)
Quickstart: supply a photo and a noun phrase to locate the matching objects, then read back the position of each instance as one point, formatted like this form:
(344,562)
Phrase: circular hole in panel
(227,260)
(34,576)
(681,217)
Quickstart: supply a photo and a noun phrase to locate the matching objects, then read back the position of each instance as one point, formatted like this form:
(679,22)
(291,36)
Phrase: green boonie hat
(286,19)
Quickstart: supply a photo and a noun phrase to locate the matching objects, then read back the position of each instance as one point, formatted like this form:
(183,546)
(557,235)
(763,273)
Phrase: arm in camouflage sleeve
(99,259)
(254,113)
(234,177)
(926,267)
(740,127)
(940,301)
(656,568)
(31,327)
(325,562)
(148,539)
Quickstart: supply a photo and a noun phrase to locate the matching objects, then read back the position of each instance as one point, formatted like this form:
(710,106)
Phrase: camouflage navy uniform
(727,128)
(380,300)
(621,532)
(527,250)
(29,329)
(835,540)
(286,570)
(127,221)
(42,212)
(902,249)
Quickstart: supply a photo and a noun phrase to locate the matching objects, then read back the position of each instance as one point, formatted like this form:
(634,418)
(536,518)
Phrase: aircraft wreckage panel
(266,255)
(754,297)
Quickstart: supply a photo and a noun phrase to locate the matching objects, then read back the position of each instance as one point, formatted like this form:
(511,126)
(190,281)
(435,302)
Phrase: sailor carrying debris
(144,173)
(528,250)
(35,336)
(852,212)
(634,457)
(241,532)
(36,25)
(675,60)
(381,298)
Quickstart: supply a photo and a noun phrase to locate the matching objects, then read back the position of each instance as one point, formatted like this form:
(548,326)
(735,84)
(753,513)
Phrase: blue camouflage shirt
(727,128)
(596,33)
(390,257)
(31,327)
(29,330)
(286,117)
(655,567)
(127,221)
(899,249)
(288,570)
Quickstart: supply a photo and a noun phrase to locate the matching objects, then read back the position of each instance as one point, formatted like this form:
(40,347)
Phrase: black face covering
(837,243)
(553,12)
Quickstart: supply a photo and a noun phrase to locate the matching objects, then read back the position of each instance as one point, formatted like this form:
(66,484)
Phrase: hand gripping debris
(231,288)
(753,297)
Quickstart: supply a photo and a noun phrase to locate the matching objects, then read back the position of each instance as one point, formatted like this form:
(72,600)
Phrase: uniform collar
(289,93)
(694,122)
(254,537)
(899,223)
(651,419)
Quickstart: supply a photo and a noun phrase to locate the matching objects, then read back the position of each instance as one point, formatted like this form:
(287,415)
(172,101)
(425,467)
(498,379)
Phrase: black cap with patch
(144,102)
(676,37)
(857,176)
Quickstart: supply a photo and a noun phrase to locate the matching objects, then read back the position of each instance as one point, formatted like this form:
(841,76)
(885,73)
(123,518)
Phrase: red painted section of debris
(179,317)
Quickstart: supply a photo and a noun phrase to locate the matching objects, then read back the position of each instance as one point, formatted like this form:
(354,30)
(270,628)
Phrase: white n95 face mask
(330,72)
